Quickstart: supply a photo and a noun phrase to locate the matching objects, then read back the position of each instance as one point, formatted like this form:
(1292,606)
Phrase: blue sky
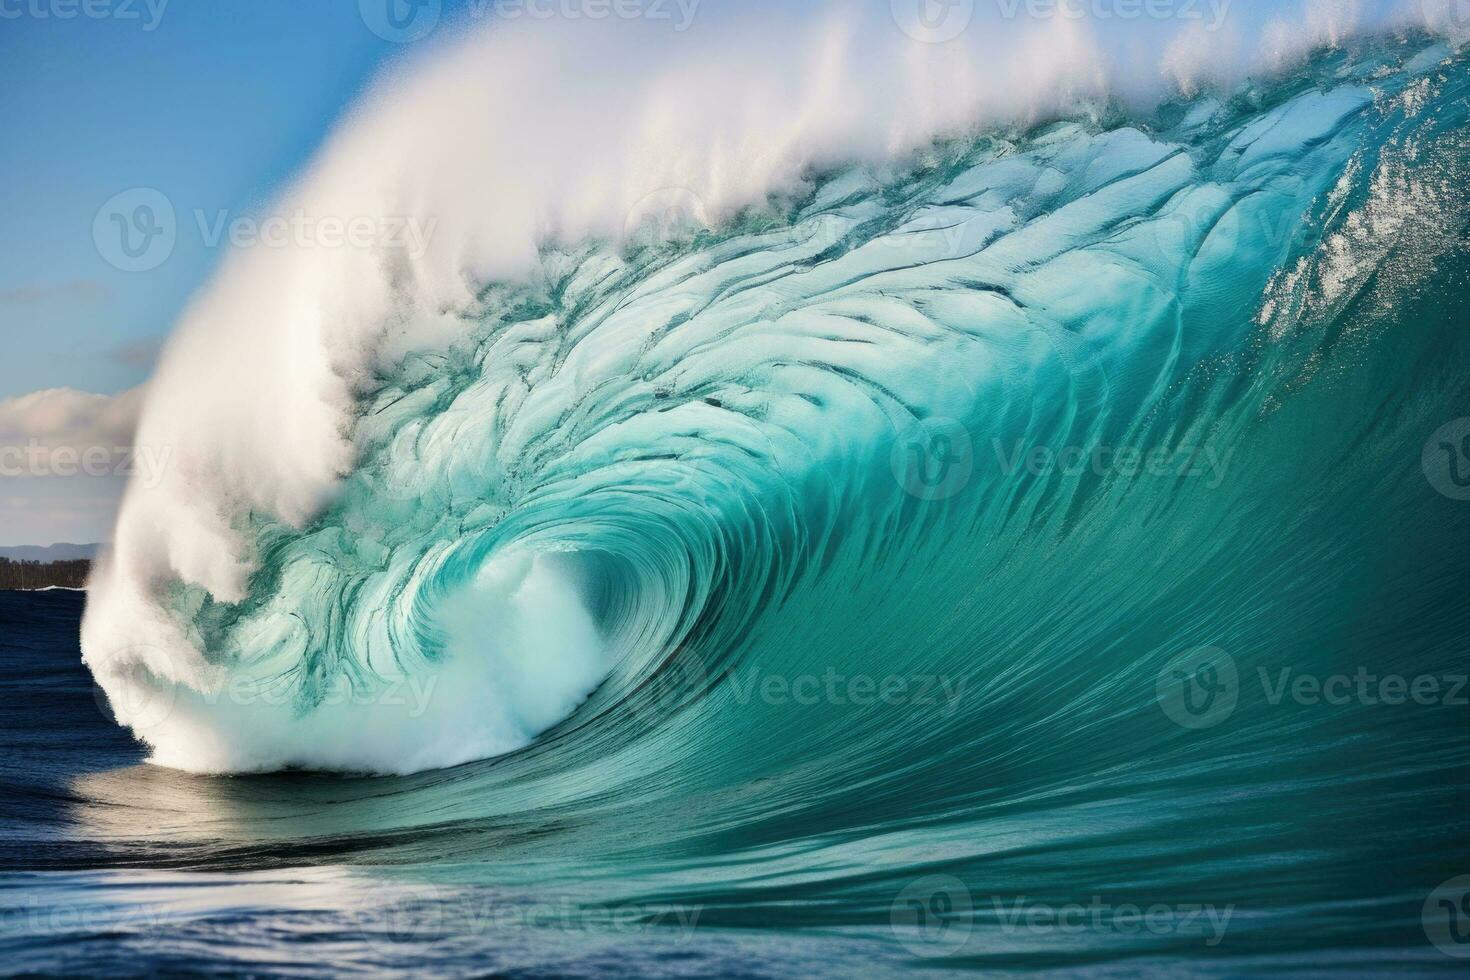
(214,103)
(214,106)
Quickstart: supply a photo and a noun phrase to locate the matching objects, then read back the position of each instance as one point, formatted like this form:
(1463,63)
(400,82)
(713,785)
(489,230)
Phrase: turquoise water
(1049,553)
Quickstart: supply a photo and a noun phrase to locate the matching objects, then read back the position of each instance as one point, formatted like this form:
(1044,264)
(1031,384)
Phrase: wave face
(1020,400)
(964,524)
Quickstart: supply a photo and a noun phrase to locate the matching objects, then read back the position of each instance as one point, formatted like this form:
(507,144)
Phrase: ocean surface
(1049,554)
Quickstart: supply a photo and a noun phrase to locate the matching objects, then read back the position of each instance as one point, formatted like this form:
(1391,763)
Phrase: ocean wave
(843,405)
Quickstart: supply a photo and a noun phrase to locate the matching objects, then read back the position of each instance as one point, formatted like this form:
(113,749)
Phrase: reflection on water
(330,920)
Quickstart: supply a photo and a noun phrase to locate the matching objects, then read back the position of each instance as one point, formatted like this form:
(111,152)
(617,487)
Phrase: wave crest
(473,487)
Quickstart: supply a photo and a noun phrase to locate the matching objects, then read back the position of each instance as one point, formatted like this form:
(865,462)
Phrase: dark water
(112,867)
(1323,839)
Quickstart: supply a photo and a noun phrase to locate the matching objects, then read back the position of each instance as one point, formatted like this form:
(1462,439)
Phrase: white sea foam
(515,135)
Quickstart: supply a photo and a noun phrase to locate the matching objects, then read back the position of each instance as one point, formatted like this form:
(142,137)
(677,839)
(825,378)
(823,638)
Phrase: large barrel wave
(874,518)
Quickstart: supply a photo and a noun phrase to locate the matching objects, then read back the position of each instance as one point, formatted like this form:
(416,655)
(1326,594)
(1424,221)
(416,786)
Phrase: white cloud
(64,459)
(58,417)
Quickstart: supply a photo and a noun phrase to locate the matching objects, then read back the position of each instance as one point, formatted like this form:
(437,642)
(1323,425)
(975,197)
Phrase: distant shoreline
(38,576)
(47,553)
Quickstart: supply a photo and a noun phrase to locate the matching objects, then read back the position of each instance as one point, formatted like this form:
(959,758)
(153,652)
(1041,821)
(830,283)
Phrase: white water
(496,143)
